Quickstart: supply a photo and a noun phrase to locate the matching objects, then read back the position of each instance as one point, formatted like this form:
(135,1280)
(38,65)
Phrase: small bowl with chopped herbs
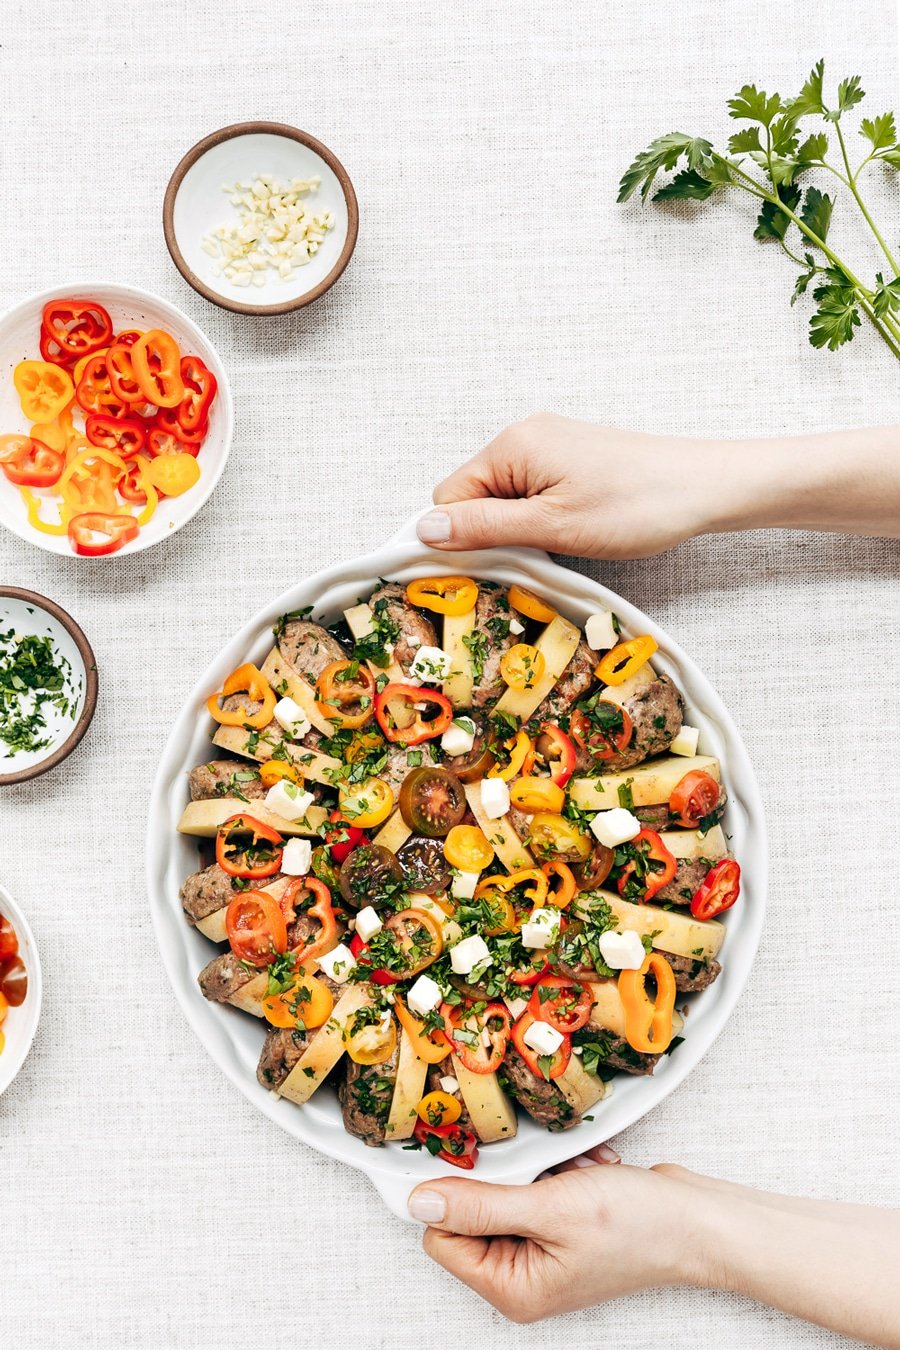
(260,218)
(48,685)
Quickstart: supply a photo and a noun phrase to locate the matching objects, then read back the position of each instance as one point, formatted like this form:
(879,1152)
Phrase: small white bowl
(195,204)
(21,1023)
(128,307)
(31,614)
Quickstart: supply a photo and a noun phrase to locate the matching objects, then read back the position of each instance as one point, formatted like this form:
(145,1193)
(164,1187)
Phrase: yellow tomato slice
(366,804)
(173,474)
(373,1043)
(531,605)
(307,1003)
(522,666)
(439,1108)
(537,794)
(273,770)
(468,848)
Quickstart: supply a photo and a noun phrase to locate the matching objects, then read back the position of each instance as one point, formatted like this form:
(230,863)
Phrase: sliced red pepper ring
(375,974)
(454,1144)
(718,890)
(547,1067)
(121,372)
(407,697)
(561,1002)
(166,419)
(649,866)
(648,1022)
(554,750)
(291,903)
(468,1026)
(30,463)
(160,442)
(341,837)
(156,364)
(536,968)
(125,435)
(94,533)
(94,393)
(77,326)
(200,388)
(247,848)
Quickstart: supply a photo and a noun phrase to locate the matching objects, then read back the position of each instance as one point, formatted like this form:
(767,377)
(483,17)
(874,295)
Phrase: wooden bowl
(30,613)
(195,204)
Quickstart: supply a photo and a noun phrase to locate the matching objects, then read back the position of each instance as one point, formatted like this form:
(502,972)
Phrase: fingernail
(434,528)
(606,1154)
(429,1206)
(584,1161)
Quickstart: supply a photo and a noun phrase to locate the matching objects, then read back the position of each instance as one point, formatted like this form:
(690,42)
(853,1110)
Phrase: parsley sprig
(765,159)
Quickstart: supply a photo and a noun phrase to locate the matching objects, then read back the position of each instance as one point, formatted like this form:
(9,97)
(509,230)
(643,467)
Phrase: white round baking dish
(234,1039)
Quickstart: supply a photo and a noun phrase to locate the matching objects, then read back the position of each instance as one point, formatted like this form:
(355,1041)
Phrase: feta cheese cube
(291,718)
(494,797)
(541,929)
(432,664)
(449,1083)
(471,952)
(516,627)
(615,827)
(338,964)
(459,737)
(543,1038)
(685,743)
(287,800)
(368,923)
(462,887)
(599,632)
(423,996)
(517,1006)
(622,951)
(296,858)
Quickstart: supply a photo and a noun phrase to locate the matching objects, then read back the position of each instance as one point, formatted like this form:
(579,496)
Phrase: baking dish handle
(407,535)
(395,1189)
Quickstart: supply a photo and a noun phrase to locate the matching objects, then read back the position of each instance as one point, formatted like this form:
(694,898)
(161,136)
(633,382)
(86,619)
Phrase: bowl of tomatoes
(116,419)
(20,989)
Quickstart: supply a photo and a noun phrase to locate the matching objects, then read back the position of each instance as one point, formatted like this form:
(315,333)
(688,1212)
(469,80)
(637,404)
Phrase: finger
(486,1265)
(485,523)
(480,1209)
(600,1154)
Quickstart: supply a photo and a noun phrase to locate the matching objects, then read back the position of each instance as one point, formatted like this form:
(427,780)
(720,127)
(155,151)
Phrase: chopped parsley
(34,678)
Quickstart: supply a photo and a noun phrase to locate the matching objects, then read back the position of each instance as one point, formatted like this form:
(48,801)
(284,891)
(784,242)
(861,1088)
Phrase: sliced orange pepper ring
(425,1047)
(443,595)
(498,887)
(563,893)
(44,390)
(519,747)
(626,659)
(531,605)
(648,1022)
(250,681)
(345,693)
(273,770)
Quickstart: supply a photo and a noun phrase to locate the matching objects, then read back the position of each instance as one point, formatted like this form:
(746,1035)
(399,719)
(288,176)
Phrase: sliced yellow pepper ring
(648,1022)
(531,605)
(416,1030)
(494,889)
(174,474)
(250,681)
(141,463)
(439,1108)
(273,770)
(519,747)
(306,1002)
(366,804)
(443,595)
(51,433)
(373,1042)
(537,794)
(626,659)
(33,505)
(44,390)
(522,666)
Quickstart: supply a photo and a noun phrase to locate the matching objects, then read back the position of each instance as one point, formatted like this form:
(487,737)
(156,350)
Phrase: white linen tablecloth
(144,1202)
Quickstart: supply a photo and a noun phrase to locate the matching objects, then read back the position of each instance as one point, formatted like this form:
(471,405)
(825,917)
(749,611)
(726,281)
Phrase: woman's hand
(573,487)
(591,1233)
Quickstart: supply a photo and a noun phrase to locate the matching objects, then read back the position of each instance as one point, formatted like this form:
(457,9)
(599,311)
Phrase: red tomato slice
(9,942)
(256,928)
(695,796)
(14,981)
(563,1003)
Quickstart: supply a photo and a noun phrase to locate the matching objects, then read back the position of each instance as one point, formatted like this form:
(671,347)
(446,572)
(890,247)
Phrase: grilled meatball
(692,975)
(622,1056)
(398,765)
(543,1100)
(575,680)
(223,977)
(282,1048)
(659,817)
(207,892)
(657,712)
(689,873)
(410,621)
(365,1094)
(309,648)
(492,625)
(225,778)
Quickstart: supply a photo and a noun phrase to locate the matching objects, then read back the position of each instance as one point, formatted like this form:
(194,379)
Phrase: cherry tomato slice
(454,1144)
(256,928)
(718,890)
(695,796)
(564,1004)
(432,801)
(14,981)
(9,942)
(370,875)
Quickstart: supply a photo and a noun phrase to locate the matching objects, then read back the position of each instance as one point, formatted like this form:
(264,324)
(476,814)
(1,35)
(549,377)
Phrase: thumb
(478,1208)
(485,522)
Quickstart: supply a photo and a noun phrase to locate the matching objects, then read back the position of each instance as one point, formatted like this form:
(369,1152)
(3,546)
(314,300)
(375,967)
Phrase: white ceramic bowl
(234,1039)
(195,205)
(132,308)
(21,1023)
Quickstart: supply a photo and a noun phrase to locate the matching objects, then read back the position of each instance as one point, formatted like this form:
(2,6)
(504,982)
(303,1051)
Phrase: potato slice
(621,693)
(582,1089)
(287,683)
(393,833)
(687,844)
(409,1089)
(311,764)
(328,1045)
(492,1113)
(502,834)
(204,818)
(460,682)
(557,644)
(672,930)
(650,783)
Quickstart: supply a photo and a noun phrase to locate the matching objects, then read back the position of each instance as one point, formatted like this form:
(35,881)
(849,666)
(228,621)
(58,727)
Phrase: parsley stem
(851,184)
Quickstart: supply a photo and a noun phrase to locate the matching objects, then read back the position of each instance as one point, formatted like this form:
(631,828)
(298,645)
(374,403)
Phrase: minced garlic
(275,230)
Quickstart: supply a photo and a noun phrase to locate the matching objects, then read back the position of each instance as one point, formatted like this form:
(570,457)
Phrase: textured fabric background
(144,1203)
